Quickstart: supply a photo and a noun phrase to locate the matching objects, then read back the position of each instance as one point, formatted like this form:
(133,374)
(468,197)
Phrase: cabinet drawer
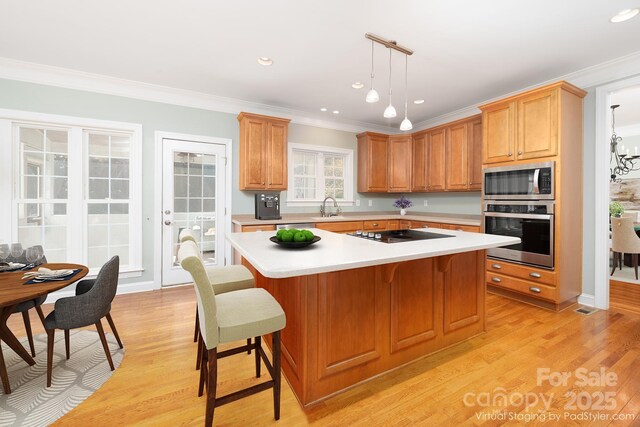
(249,228)
(425,224)
(340,227)
(467,228)
(524,287)
(532,274)
(404,225)
(375,225)
(393,224)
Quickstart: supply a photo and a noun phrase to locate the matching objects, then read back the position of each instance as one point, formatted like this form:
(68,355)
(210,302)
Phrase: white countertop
(335,252)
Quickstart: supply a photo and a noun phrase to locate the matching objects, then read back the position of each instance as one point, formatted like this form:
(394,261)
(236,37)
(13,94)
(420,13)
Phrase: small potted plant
(403,204)
(616,209)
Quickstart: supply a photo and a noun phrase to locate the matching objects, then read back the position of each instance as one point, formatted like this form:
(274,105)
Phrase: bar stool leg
(258,344)
(212,378)
(277,375)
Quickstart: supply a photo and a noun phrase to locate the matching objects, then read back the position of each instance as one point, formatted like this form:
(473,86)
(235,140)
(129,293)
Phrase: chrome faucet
(323,207)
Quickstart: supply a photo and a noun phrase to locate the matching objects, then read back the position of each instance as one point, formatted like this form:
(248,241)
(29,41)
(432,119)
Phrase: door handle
(535,275)
(167,222)
(167,212)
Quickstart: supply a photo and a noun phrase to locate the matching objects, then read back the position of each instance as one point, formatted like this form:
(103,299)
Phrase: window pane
(195,186)
(60,164)
(208,205)
(98,188)
(180,186)
(99,167)
(119,188)
(98,144)
(195,164)
(195,205)
(38,224)
(120,146)
(209,187)
(180,163)
(119,168)
(32,139)
(56,141)
(59,188)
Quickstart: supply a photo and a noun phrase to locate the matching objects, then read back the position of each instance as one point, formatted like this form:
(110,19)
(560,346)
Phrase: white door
(193,196)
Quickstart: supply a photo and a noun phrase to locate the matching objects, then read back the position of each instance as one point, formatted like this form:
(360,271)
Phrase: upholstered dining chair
(223,279)
(624,240)
(91,303)
(228,317)
(25,306)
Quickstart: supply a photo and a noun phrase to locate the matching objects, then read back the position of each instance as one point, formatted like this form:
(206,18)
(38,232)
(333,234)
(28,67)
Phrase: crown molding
(630,130)
(12,69)
(595,75)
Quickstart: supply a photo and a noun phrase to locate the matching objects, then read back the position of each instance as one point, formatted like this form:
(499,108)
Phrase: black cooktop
(397,236)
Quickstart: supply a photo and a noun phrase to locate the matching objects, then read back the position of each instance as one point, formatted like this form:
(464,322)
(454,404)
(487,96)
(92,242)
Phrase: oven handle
(536,178)
(525,216)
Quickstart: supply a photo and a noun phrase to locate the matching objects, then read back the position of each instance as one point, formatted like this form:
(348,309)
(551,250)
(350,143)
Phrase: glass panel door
(193,198)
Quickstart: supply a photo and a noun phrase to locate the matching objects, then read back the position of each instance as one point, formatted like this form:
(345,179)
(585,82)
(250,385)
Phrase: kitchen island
(357,308)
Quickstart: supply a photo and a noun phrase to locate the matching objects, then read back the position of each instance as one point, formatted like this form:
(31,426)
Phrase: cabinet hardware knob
(535,290)
(535,275)
(519,152)
(496,279)
(375,225)
(510,154)
(496,266)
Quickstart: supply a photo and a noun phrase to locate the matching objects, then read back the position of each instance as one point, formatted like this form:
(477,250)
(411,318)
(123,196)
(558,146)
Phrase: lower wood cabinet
(341,226)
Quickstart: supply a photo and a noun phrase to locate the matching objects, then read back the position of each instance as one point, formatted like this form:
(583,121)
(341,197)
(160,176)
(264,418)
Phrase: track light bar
(391,44)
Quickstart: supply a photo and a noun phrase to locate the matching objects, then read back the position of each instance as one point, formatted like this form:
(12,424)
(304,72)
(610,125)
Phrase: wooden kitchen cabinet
(373,151)
(399,167)
(340,227)
(263,152)
(457,157)
(436,160)
(537,118)
(376,225)
(499,133)
(419,162)
(474,153)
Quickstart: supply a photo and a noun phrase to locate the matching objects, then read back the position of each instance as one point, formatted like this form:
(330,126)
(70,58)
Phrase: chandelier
(372,95)
(621,163)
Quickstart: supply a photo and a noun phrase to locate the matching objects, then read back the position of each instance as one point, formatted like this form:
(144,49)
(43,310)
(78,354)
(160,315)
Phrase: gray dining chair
(91,303)
(25,306)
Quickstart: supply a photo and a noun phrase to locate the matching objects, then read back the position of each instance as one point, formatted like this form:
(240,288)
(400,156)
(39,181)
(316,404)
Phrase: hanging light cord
(389,76)
(406,63)
(372,73)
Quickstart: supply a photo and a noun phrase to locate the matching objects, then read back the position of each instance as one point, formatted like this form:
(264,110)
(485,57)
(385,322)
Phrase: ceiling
(465,51)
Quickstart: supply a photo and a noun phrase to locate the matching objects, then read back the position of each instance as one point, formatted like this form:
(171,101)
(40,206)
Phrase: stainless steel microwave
(533,181)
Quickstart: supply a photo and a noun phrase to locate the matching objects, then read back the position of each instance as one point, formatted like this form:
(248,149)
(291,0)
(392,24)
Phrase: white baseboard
(127,288)
(588,300)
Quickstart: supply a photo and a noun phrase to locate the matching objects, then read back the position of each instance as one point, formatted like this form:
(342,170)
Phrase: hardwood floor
(624,295)
(157,381)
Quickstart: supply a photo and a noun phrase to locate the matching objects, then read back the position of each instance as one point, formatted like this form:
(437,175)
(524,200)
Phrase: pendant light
(390,111)
(406,123)
(372,95)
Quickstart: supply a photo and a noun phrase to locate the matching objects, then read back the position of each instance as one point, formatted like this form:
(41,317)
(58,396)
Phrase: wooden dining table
(14,290)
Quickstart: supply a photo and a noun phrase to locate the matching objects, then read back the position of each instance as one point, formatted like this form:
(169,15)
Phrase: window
(74,188)
(317,172)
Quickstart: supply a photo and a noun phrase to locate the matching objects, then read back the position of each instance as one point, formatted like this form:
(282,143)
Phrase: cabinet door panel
(378,158)
(456,153)
(413,297)
(463,302)
(437,159)
(400,163)
(538,125)
(277,156)
(254,153)
(419,163)
(498,139)
(474,154)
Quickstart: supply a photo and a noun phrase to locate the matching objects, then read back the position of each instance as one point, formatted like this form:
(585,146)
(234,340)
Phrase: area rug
(31,403)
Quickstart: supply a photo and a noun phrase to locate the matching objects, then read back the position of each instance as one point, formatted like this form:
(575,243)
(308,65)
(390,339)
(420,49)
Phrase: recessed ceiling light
(336,112)
(418,101)
(625,15)
(357,85)
(263,60)
(323,109)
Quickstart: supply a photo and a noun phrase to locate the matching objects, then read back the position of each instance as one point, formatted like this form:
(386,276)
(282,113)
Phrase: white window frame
(77,151)
(321,149)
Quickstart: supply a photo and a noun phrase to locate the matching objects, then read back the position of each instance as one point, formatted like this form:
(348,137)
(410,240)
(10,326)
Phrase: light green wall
(156,116)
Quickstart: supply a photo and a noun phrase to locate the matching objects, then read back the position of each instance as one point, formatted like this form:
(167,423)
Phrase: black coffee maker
(267,205)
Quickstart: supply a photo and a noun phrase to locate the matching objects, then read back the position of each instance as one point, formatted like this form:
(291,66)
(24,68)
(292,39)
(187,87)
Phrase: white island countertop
(335,252)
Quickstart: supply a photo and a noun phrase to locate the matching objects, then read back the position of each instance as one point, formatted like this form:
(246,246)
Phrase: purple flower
(403,203)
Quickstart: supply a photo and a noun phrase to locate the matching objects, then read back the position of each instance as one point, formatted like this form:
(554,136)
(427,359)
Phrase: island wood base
(348,326)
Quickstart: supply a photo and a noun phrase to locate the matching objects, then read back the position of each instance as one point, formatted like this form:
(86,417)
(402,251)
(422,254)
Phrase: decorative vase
(403,211)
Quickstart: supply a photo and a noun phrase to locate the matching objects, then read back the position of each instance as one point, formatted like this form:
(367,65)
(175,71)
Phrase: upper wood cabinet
(263,152)
(399,163)
(373,151)
(498,136)
(457,157)
(525,126)
(436,158)
(474,153)
(419,162)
